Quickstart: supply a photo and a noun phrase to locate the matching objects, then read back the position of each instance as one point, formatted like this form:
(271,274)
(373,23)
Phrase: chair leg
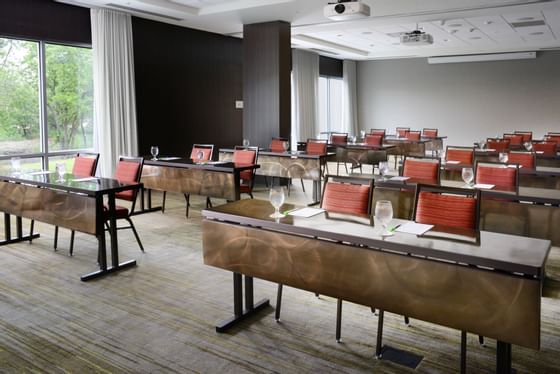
(31,231)
(481,340)
(163,202)
(55,237)
(338,319)
(337,166)
(379,344)
(251,194)
(346,168)
(187,198)
(72,242)
(406,320)
(208,203)
(278,302)
(463,352)
(135,233)
(316,295)
(302,185)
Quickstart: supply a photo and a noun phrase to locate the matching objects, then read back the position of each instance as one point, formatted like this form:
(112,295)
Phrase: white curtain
(349,98)
(305,82)
(113,86)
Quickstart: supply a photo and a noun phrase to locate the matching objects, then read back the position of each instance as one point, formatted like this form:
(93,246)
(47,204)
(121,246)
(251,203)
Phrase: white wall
(465,101)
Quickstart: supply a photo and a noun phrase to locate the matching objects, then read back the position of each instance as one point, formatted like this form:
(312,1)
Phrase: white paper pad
(306,212)
(540,152)
(85,179)
(483,186)
(452,162)
(399,178)
(39,172)
(414,228)
(168,158)
(514,166)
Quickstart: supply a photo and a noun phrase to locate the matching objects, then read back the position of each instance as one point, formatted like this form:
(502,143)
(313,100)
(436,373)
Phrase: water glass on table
(154,151)
(60,171)
(384,215)
(383,168)
(468,175)
(503,157)
(277,196)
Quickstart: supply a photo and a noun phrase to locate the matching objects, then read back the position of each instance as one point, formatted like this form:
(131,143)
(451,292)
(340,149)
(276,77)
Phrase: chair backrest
(465,155)
(246,156)
(547,148)
(85,164)
(129,170)
(371,139)
(524,159)
(413,135)
(377,132)
(374,157)
(553,137)
(339,138)
(499,174)
(278,145)
(426,169)
(514,139)
(527,135)
(347,195)
(401,131)
(429,133)
(316,146)
(500,145)
(205,150)
(454,207)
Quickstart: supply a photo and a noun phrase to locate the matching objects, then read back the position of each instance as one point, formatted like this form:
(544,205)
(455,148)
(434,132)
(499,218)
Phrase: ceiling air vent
(528,23)
(134,10)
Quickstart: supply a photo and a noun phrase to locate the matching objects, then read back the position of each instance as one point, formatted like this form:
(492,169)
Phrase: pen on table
(394,228)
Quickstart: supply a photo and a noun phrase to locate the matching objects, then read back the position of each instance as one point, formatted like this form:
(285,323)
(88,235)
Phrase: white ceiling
(458,26)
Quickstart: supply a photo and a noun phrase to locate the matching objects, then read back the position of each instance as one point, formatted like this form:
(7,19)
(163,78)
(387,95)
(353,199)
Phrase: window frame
(329,126)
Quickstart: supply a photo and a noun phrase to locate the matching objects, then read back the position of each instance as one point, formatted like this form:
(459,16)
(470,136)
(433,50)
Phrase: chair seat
(121,211)
(244,188)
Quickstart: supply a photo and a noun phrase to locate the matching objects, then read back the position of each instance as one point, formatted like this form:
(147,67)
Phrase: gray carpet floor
(159,317)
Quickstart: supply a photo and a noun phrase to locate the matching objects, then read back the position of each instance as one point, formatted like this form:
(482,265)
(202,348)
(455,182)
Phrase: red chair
(425,169)
(401,131)
(553,137)
(377,132)
(527,135)
(129,170)
(279,145)
(375,140)
(413,135)
(465,155)
(547,148)
(515,140)
(523,159)
(85,165)
(316,147)
(498,174)
(429,133)
(499,145)
(339,138)
(243,156)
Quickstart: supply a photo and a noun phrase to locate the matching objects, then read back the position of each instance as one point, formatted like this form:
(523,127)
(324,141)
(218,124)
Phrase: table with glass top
(489,286)
(72,202)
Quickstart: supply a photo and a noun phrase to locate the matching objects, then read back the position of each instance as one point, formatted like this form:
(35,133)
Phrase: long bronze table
(491,287)
(183,175)
(74,203)
(290,165)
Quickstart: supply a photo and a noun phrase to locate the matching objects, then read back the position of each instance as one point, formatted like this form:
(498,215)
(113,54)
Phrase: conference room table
(541,159)
(467,285)
(73,202)
(294,164)
(214,179)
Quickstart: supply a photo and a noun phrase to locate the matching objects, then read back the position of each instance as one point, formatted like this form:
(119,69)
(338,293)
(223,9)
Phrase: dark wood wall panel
(187,82)
(266,82)
(45,20)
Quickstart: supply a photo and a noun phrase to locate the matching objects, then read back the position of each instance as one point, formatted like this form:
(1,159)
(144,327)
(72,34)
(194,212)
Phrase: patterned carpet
(159,317)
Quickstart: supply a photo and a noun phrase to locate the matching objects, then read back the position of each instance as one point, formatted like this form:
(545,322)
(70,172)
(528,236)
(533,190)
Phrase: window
(330,104)
(46,102)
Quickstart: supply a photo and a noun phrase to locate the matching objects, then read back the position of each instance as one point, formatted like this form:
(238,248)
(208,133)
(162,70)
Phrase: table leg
(316,192)
(503,358)
(250,307)
(8,231)
(149,209)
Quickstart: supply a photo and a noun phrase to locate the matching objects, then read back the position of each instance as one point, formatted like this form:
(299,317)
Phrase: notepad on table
(452,162)
(85,179)
(399,178)
(414,228)
(42,172)
(305,212)
(168,158)
(484,186)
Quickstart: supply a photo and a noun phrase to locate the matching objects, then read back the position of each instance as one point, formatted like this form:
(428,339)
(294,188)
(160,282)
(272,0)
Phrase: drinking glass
(199,156)
(383,168)
(362,135)
(468,175)
(60,171)
(528,146)
(16,165)
(245,143)
(384,215)
(353,139)
(276,197)
(503,157)
(285,146)
(154,151)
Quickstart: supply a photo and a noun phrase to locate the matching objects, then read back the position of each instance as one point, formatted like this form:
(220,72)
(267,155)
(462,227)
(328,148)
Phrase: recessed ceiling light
(456,25)
(526,18)
(475,38)
(537,33)
(366,32)
(488,22)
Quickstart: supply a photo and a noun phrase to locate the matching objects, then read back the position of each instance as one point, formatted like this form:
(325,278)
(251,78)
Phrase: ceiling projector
(344,10)
(415,38)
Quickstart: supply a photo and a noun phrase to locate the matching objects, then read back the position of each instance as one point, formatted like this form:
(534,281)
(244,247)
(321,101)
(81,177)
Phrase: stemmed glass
(468,175)
(362,135)
(528,146)
(503,157)
(276,197)
(60,171)
(285,146)
(199,156)
(245,143)
(383,168)
(384,215)
(154,151)
(16,165)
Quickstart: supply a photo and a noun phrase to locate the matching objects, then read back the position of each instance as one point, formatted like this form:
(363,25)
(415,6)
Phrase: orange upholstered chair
(500,145)
(316,147)
(401,131)
(279,145)
(339,138)
(523,159)
(465,155)
(515,140)
(553,138)
(375,140)
(413,135)
(547,148)
(497,174)
(243,156)
(425,169)
(527,135)
(429,133)
(377,132)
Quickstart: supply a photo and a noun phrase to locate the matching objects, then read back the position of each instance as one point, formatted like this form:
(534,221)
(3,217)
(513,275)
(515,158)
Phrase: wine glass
(384,215)
(60,171)
(276,197)
(503,157)
(199,156)
(468,175)
(383,168)
(528,146)
(363,134)
(154,151)
(285,146)
(16,165)
(245,143)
